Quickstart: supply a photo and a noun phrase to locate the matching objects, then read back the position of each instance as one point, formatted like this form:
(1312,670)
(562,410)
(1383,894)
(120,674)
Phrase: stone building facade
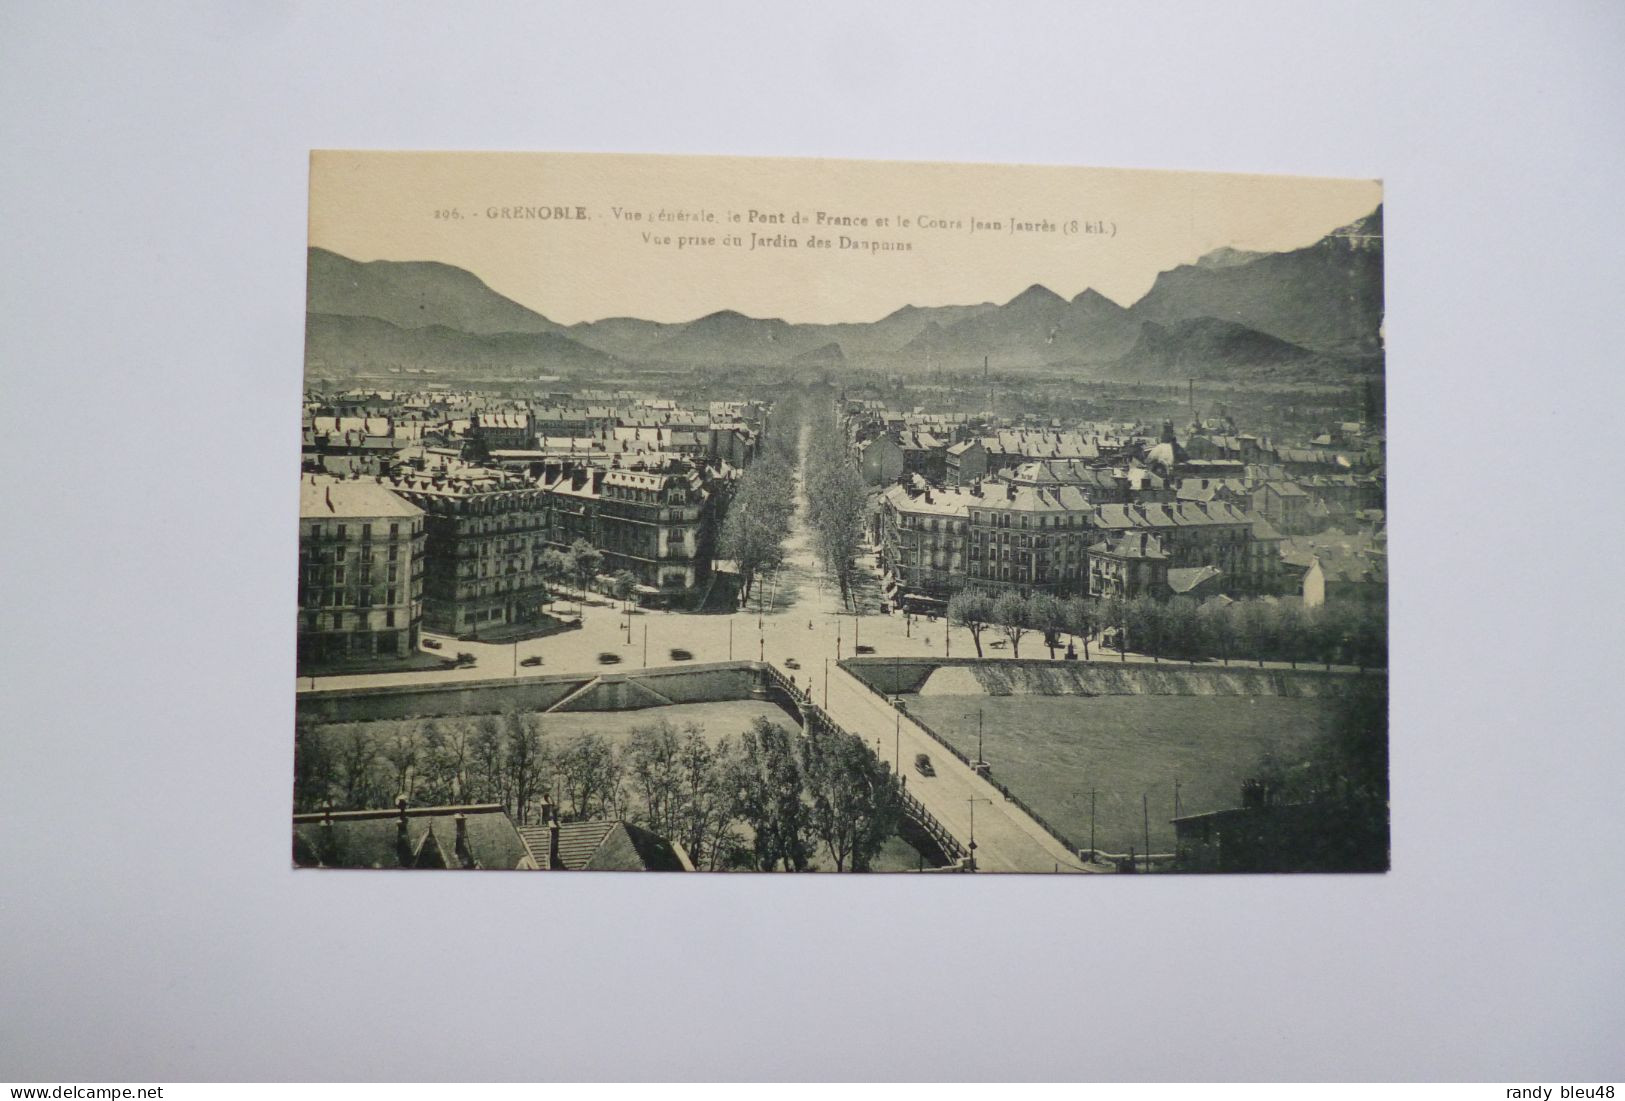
(361,569)
(485,532)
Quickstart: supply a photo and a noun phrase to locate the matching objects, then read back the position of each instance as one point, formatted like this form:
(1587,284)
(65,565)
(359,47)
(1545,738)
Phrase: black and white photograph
(706,514)
(1118,493)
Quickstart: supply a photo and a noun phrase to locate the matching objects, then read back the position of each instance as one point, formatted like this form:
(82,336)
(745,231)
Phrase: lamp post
(1092,849)
(971,863)
(645,645)
(826,684)
(1091,793)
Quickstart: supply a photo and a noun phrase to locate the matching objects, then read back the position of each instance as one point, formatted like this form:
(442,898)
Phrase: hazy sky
(450,207)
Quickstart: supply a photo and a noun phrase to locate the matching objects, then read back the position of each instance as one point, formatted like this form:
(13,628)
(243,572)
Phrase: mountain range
(1316,309)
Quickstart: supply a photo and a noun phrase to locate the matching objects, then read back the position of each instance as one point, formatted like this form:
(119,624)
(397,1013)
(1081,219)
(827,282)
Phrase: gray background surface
(152,214)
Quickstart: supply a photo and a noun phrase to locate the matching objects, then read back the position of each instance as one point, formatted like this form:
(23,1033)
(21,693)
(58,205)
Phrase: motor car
(866,649)
(609,657)
(922,765)
(997,644)
(679,654)
(533,660)
(430,644)
(791,663)
(465,658)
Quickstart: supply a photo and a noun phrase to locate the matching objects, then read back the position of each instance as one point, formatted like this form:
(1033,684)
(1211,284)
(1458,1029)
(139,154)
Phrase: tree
(855,802)
(757,520)
(705,800)
(1082,619)
(1371,636)
(1332,629)
(1184,629)
(971,609)
(585,560)
(591,776)
(623,584)
(837,500)
(1345,775)
(556,566)
(1010,616)
(1220,630)
(485,749)
(401,751)
(651,761)
(445,760)
(1147,624)
(1114,611)
(315,769)
(524,763)
(767,783)
(357,756)
(1291,631)
(1255,625)
(1047,614)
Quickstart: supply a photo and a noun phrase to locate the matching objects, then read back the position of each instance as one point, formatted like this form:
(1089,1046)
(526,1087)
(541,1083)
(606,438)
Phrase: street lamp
(1091,793)
(973,800)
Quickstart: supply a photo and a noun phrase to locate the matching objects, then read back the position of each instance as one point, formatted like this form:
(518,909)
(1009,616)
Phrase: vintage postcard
(721,514)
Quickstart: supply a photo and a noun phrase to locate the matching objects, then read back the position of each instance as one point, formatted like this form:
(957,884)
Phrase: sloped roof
(371,838)
(322,498)
(605,845)
(1185,579)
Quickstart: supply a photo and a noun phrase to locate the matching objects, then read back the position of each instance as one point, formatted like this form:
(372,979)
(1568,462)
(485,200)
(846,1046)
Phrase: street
(796,613)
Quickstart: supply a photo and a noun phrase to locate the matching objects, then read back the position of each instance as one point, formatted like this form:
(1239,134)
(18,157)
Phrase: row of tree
(837,500)
(1251,630)
(1181,628)
(758,518)
(767,800)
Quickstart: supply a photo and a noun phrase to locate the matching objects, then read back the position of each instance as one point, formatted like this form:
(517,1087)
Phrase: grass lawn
(1051,750)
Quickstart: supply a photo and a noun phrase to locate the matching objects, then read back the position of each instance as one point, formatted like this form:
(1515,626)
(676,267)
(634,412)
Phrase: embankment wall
(1007,677)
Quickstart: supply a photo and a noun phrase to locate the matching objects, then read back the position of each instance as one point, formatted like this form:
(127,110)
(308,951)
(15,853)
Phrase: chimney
(464,856)
(403,844)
